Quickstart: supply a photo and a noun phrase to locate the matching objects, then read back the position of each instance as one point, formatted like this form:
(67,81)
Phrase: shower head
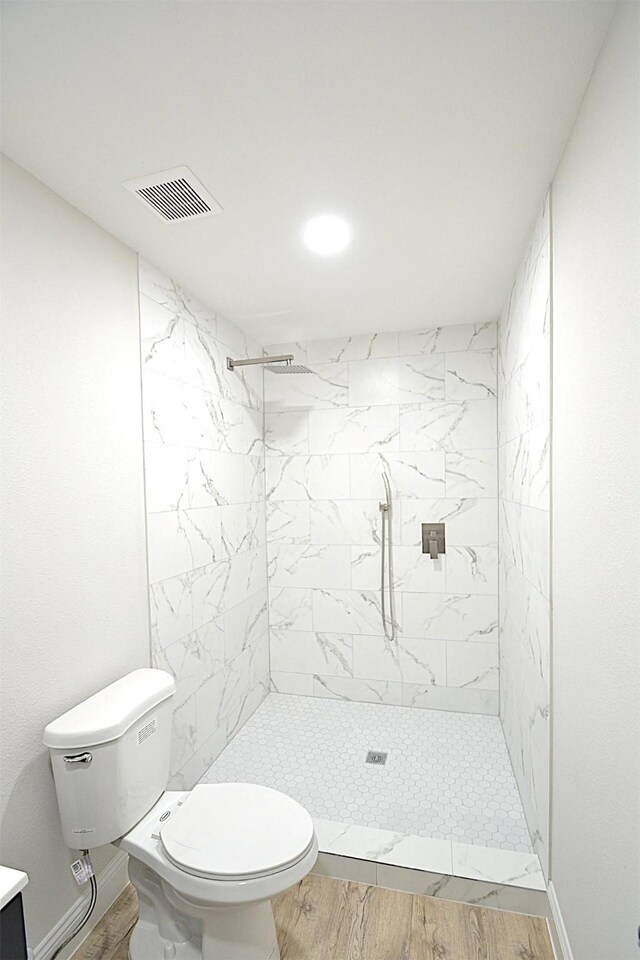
(287,367)
(279,364)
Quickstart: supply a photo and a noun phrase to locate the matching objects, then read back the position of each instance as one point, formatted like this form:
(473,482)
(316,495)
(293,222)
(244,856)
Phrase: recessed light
(326,234)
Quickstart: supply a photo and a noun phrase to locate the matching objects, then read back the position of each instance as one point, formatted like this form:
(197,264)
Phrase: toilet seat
(236,831)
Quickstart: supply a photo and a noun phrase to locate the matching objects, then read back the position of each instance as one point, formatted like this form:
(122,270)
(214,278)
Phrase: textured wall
(204,466)
(423,406)
(524,427)
(595,861)
(74,605)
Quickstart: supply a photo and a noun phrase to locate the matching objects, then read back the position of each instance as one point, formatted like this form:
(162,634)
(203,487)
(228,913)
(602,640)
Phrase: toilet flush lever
(84,758)
(433,541)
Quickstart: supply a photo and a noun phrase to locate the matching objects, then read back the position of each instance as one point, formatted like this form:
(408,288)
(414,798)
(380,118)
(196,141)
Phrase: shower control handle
(433,541)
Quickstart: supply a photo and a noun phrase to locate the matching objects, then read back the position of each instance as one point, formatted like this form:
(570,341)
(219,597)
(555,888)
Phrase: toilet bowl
(205,862)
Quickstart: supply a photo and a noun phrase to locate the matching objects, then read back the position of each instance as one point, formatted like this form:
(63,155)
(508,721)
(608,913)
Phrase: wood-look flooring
(327,919)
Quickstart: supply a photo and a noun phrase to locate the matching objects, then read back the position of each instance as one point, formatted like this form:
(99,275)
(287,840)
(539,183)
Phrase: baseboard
(111,882)
(561,930)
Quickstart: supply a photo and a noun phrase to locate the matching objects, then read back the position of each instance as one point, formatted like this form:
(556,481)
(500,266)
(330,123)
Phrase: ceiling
(433,127)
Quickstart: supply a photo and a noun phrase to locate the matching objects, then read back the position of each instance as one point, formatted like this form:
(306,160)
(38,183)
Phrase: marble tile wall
(204,477)
(524,360)
(421,405)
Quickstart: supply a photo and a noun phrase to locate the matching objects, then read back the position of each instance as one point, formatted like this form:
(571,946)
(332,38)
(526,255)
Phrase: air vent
(174,195)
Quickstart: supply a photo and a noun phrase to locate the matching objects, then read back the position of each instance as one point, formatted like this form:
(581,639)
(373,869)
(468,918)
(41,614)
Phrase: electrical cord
(87,915)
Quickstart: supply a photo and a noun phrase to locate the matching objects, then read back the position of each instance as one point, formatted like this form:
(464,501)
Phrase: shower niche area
(418,741)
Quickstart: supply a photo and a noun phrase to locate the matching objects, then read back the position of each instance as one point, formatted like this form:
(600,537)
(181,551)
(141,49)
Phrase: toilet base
(169,928)
(241,933)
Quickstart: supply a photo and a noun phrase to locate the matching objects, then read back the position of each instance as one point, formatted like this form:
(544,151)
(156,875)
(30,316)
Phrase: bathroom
(393,575)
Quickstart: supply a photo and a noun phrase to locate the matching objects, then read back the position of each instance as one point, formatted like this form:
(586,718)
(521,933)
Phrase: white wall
(204,472)
(595,859)
(422,406)
(74,569)
(524,360)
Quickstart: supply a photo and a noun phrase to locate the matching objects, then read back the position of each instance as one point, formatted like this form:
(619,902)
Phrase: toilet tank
(110,757)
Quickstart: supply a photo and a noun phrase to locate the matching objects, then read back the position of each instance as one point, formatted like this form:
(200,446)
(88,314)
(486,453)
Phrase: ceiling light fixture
(326,234)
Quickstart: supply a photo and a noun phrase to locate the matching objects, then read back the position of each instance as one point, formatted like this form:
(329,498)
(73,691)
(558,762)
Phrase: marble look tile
(362,691)
(525,469)
(236,340)
(471,473)
(166,477)
(330,654)
(288,521)
(342,349)
(524,383)
(383,846)
(458,699)
(294,565)
(502,866)
(420,474)
(447,887)
(345,868)
(290,609)
(396,380)
(245,624)
(205,366)
(165,415)
(204,452)
(297,683)
(526,396)
(524,539)
(192,660)
(468,522)
(471,375)
(326,387)
(347,611)
(404,660)
(158,287)
(199,762)
(254,568)
(307,478)
(253,479)
(358,430)
(215,478)
(241,527)
(472,665)
(217,587)
(449,425)
(462,617)
(181,540)
(287,434)
(412,570)
(170,610)
(472,570)
(183,735)
(345,521)
(162,336)
(468,336)
(297,348)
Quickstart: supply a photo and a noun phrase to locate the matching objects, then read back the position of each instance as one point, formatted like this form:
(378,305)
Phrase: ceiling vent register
(174,195)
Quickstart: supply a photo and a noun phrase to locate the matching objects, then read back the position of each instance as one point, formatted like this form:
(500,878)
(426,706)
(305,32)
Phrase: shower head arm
(288,357)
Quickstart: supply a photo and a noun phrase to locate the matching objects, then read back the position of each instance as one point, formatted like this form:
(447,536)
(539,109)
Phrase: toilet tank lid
(109,713)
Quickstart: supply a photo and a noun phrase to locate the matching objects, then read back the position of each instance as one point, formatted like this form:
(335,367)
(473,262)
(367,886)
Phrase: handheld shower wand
(386,556)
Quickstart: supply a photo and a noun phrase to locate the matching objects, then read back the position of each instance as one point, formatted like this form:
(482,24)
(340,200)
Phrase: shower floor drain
(374,756)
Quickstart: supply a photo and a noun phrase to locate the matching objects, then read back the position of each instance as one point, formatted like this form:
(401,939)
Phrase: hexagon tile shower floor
(447,775)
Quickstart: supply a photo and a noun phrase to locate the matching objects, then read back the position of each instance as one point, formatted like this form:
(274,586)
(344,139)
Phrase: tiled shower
(264,530)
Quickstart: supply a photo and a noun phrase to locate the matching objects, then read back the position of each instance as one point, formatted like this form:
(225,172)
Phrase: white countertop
(11,883)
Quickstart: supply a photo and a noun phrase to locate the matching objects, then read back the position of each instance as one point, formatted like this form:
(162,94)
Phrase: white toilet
(205,862)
